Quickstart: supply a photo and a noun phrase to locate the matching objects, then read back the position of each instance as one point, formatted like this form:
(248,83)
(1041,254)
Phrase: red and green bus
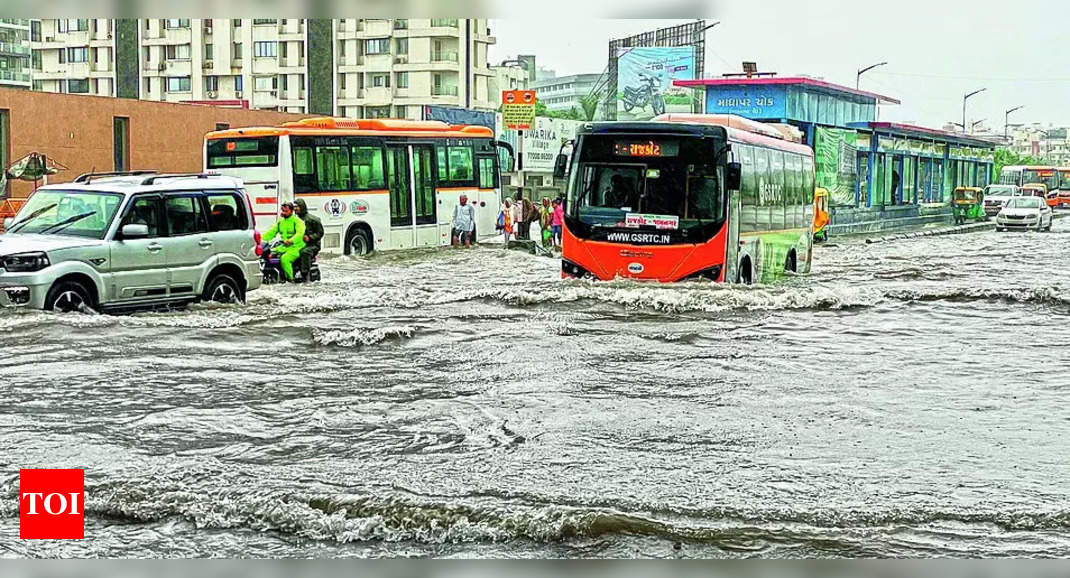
(684,197)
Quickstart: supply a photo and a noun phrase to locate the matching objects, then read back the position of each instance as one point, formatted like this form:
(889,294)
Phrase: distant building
(562,93)
(1051,144)
(507,78)
(15,53)
(345,67)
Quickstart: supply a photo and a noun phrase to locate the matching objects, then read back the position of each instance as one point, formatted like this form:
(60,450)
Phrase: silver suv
(113,241)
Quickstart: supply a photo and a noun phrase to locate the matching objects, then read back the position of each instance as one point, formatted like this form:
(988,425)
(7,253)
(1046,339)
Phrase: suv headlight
(25,262)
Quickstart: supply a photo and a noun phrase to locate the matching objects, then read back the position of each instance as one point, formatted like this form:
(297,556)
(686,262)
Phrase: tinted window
(245,152)
(368,168)
(488,177)
(226,211)
(456,164)
(185,215)
(143,211)
(749,187)
(332,168)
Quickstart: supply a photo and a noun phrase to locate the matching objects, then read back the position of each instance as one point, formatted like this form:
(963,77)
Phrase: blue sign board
(754,102)
(455,115)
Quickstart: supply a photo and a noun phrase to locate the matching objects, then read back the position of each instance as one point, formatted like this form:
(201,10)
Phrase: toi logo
(51,504)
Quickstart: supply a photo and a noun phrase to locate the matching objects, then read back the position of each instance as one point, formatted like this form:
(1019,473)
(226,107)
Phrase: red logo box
(52,504)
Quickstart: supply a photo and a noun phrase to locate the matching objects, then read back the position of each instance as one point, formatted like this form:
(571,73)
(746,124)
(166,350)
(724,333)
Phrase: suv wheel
(222,289)
(68,297)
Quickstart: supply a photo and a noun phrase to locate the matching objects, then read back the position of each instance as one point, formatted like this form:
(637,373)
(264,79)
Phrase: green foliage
(540,108)
(590,106)
(1006,157)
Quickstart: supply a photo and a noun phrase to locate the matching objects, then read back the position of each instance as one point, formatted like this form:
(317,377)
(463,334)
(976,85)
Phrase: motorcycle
(271,266)
(646,93)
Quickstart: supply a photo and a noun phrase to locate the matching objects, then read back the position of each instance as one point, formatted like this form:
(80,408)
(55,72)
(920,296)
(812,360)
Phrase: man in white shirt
(464,222)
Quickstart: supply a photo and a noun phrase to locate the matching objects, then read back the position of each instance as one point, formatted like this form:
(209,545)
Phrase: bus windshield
(244,152)
(647,182)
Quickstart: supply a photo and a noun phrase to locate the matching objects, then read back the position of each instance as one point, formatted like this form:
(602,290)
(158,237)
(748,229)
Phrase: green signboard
(835,163)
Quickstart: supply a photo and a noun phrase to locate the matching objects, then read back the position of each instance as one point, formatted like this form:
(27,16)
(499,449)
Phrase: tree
(540,108)
(1005,157)
(590,106)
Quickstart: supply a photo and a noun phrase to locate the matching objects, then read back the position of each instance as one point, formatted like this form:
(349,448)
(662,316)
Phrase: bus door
(411,184)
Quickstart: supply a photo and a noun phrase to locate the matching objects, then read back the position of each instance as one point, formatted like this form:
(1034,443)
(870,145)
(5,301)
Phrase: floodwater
(906,399)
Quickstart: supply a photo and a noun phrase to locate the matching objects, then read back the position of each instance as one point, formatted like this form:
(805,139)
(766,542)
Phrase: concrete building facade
(15,53)
(562,93)
(345,67)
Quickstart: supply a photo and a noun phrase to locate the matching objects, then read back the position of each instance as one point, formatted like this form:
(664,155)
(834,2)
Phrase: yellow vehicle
(821,214)
(968,203)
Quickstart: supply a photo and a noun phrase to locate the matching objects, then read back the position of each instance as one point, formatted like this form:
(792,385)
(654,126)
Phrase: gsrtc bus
(376,184)
(687,196)
(1025,174)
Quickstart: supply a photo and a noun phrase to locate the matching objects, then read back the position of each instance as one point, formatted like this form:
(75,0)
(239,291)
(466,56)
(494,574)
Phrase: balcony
(445,56)
(444,91)
(378,95)
(444,22)
(14,76)
(12,49)
(291,66)
(15,22)
(378,62)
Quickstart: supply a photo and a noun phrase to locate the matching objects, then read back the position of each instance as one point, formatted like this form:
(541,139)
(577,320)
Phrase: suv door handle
(205,243)
(155,248)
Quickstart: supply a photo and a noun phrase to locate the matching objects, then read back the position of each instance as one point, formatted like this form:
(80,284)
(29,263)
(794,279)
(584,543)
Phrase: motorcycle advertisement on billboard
(644,81)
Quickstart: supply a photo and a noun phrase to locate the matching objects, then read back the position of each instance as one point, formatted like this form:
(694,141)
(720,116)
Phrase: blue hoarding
(455,115)
(756,102)
(644,81)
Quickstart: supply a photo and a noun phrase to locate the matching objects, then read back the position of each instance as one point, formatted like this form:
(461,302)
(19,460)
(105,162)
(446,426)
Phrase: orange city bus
(687,196)
(376,184)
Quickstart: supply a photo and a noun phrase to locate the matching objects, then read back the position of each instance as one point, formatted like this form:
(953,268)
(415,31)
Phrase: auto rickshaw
(967,203)
(1041,190)
(821,214)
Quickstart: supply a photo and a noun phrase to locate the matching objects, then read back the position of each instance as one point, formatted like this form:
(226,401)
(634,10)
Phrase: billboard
(543,142)
(644,81)
(455,115)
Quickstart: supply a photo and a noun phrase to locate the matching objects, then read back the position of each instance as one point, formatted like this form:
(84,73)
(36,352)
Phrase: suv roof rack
(87,177)
(152,180)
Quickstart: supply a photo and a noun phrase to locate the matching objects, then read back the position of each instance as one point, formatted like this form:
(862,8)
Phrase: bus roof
(326,126)
(737,128)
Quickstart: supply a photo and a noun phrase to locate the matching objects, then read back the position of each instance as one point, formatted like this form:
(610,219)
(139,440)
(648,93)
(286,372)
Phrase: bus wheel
(358,242)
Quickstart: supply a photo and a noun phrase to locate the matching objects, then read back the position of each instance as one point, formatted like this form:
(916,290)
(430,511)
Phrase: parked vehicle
(114,241)
(644,94)
(821,214)
(967,204)
(1025,213)
(996,196)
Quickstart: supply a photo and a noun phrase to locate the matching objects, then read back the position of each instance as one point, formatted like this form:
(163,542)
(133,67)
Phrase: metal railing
(444,22)
(443,91)
(16,49)
(445,56)
(15,76)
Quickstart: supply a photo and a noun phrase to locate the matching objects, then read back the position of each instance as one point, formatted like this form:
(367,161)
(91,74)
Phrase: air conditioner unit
(50,38)
(162,67)
(208,64)
(212,94)
(237,94)
(274,93)
(401,59)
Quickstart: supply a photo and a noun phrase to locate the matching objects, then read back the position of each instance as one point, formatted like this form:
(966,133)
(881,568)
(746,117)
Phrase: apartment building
(562,93)
(14,53)
(348,67)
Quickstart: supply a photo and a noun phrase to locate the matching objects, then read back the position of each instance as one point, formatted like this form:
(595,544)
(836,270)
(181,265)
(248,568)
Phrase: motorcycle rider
(312,237)
(291,230)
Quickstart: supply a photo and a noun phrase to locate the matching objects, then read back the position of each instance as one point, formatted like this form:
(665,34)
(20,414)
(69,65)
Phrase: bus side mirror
(560,166)
(733,176)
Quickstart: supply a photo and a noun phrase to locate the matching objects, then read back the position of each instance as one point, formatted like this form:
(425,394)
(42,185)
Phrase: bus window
(332,168)
(777,194)
(488,177)
(368,168)
(397,165)
(460,159)
(455,165)
(243,152)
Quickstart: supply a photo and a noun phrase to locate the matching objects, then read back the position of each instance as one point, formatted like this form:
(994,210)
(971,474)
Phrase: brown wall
(76,131)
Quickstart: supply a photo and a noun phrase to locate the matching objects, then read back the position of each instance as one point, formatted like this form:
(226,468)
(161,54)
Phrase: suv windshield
(1025,203)
(70,213)
(647,182)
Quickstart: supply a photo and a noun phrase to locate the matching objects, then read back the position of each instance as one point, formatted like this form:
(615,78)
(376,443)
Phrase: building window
(444,22)
(238,82)
(78,85)
(342,81)
(121,142)
(177,52)
(211,83)
(401,45)
(77,55)
(261,83)
(209,51)
(400,24)
(176,23)
(178,84)
(72,25)
(377,46)
(402,80)
(236,22)
(377,112)
(399,111)
(342,49)
(381,80)
(237,51)
(268,49)
(284,82)
(259,21)
(38,85)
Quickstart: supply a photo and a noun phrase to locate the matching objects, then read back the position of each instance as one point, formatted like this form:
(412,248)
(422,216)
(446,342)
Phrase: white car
(1024,213)
(996,196)
(117,241)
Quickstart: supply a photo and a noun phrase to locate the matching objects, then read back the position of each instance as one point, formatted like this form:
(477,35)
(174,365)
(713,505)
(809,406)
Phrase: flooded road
(906,399)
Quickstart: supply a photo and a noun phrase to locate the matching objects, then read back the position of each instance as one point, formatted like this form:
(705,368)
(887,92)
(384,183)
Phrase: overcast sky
(937,50)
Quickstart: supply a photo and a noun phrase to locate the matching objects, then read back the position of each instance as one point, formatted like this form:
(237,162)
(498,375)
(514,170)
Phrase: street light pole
(1006,120)
(858,75)
(968,95)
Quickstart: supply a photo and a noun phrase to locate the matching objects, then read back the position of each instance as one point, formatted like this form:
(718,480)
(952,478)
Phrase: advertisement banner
(518,109)
(835,165)
(754,102)
(644,81)
(544,140)
(457,115)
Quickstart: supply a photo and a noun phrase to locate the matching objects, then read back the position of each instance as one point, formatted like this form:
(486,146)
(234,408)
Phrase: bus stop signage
(518,109)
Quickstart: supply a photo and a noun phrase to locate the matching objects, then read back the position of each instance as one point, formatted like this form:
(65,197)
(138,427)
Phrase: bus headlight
(711,273)
(572,270)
